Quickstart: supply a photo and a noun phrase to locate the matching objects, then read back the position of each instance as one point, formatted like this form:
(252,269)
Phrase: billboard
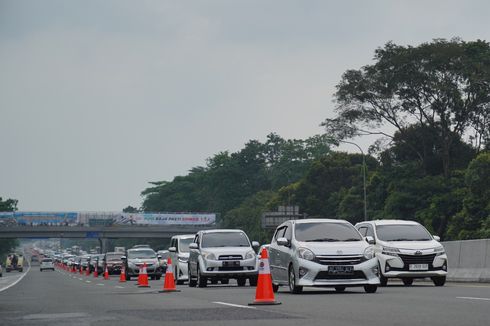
(46,218)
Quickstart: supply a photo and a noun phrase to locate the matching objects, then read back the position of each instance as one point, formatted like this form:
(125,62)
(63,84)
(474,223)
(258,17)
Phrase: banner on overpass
(46,218)
(168,218)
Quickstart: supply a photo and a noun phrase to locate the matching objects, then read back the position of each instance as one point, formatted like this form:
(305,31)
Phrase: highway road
(61,298)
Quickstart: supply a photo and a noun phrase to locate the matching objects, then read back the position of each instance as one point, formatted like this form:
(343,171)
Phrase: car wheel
(407,281)
(253,281)
(439,280)
(370,288)
(192,282)
(383,281)
(340,289)
(293,288)
(202,282)
(225,281)
(241,281)
(40,270)
(275,287)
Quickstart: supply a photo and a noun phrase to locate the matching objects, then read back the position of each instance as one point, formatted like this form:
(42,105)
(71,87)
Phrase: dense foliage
(6,245)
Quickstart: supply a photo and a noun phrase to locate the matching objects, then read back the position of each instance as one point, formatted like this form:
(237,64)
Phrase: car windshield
(225,239)
(114,257)
(399,232)
(184,244)
(326,232)
(47,261)
(148,253)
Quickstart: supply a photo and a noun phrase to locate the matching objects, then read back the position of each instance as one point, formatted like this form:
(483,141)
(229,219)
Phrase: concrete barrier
(468,260)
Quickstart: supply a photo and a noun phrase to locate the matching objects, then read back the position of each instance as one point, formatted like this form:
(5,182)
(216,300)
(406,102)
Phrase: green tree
(442,85)
(6,245)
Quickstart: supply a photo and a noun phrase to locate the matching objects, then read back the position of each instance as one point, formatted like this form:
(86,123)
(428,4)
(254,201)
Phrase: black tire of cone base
(439,280)
(407,281)
(293,288)
(370,288)
(202,282)
(340,288)
(241,281)
(275,287)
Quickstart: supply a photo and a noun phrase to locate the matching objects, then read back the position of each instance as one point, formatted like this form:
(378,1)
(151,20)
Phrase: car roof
(140,249)
(222,231)
(316,220)
(183,236)
(391,222)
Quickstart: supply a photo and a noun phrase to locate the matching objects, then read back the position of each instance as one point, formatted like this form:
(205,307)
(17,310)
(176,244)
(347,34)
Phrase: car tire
(439,280)
(202,282)
(275,287)
(158,277)
(370,288)
(383,281)
(225,281)
(253,280)
(40,270)
(339,289)
(407,281)
(241,281)
(293,288)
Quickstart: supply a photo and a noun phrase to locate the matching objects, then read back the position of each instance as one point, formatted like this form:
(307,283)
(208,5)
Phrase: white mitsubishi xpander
(406,250)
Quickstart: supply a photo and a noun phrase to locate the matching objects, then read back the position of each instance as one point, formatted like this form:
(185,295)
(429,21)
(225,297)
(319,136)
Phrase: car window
(400,232)
(184,244)
(224,239)
(288,233)
(370,231)
(141,254)
(279,233)
(326,232)
(363,230)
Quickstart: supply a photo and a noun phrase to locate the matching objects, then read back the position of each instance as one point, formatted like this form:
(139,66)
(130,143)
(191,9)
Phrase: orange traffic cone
(81,270)
(106,273)
(96,273)
(264,294)
(122,277)
(87,271)
(169,284)
(143,278)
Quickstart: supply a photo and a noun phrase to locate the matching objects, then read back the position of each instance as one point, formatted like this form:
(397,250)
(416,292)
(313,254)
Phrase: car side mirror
(123,257)
(437,238)
(159,257)
(255,244)
(283,242)
(370,240)
(173,249)
(193,246)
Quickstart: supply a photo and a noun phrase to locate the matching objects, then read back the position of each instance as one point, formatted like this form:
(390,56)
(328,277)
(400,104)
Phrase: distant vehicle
(406,250)
(321,253)
(46,263)
(221,255)
(113,262)
(15,262)
(136,257)
(84,261)
(96,261)
(179,254)
(120,249)
(140,246)
(34,258)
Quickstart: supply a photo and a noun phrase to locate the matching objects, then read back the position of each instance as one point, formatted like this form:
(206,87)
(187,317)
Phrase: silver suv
(322,252)
(221,255)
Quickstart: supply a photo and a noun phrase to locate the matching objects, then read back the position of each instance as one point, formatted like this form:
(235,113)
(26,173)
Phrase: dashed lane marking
(20,279)
(88,281)
(119,287)
(100,284)
(233,305)
(473,298)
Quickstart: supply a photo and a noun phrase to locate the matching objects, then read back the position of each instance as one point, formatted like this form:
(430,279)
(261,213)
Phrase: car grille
(230,257)
(324,275)
(339,260)
(417,259)
(231,268)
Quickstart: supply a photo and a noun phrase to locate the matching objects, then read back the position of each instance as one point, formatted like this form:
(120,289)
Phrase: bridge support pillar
(103,242)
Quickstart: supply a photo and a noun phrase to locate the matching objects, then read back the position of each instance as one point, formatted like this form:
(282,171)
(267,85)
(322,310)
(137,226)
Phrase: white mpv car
(321,253)
(406,250)
(179,252)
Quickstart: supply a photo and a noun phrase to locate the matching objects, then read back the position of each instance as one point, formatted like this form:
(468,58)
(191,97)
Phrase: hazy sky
(99,97)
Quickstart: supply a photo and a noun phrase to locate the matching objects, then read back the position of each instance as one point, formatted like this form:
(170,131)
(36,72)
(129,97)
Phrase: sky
(98,98)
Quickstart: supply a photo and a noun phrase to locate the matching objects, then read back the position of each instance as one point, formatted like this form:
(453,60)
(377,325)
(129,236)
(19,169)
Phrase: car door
(193,256)
(285,253)
(274,254)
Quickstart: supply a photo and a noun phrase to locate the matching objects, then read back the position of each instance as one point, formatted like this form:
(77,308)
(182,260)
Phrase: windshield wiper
(323,240)
(401,239)
(352,239)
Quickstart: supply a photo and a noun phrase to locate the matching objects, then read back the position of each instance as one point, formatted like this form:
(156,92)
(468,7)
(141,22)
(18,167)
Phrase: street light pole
(363,175)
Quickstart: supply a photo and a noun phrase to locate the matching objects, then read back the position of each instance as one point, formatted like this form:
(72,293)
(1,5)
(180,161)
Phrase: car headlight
(439,251)
(250,255)
(391,251)
(306,254)
(369,253)
(209,256)
(183,259)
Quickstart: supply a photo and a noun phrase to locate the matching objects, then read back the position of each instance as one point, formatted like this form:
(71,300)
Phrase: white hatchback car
(46,263)
(321,253)
(406,250)
(179,252)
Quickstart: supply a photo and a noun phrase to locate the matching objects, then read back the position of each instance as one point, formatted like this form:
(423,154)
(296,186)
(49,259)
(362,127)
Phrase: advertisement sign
(46,218)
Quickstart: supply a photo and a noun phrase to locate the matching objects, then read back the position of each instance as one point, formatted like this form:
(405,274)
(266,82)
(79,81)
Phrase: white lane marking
(56,316)
(119,287)
(473,298)
(233,305)
(20,279)
(81,279)
(100,284)
(88,281)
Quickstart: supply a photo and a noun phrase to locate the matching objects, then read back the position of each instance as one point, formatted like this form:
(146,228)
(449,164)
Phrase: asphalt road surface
(61,298)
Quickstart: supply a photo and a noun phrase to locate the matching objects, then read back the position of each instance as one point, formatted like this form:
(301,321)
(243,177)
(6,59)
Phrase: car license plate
(231,263)
(341,270)
(418,267)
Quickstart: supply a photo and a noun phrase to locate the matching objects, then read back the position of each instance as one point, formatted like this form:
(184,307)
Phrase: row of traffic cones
(264,294)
